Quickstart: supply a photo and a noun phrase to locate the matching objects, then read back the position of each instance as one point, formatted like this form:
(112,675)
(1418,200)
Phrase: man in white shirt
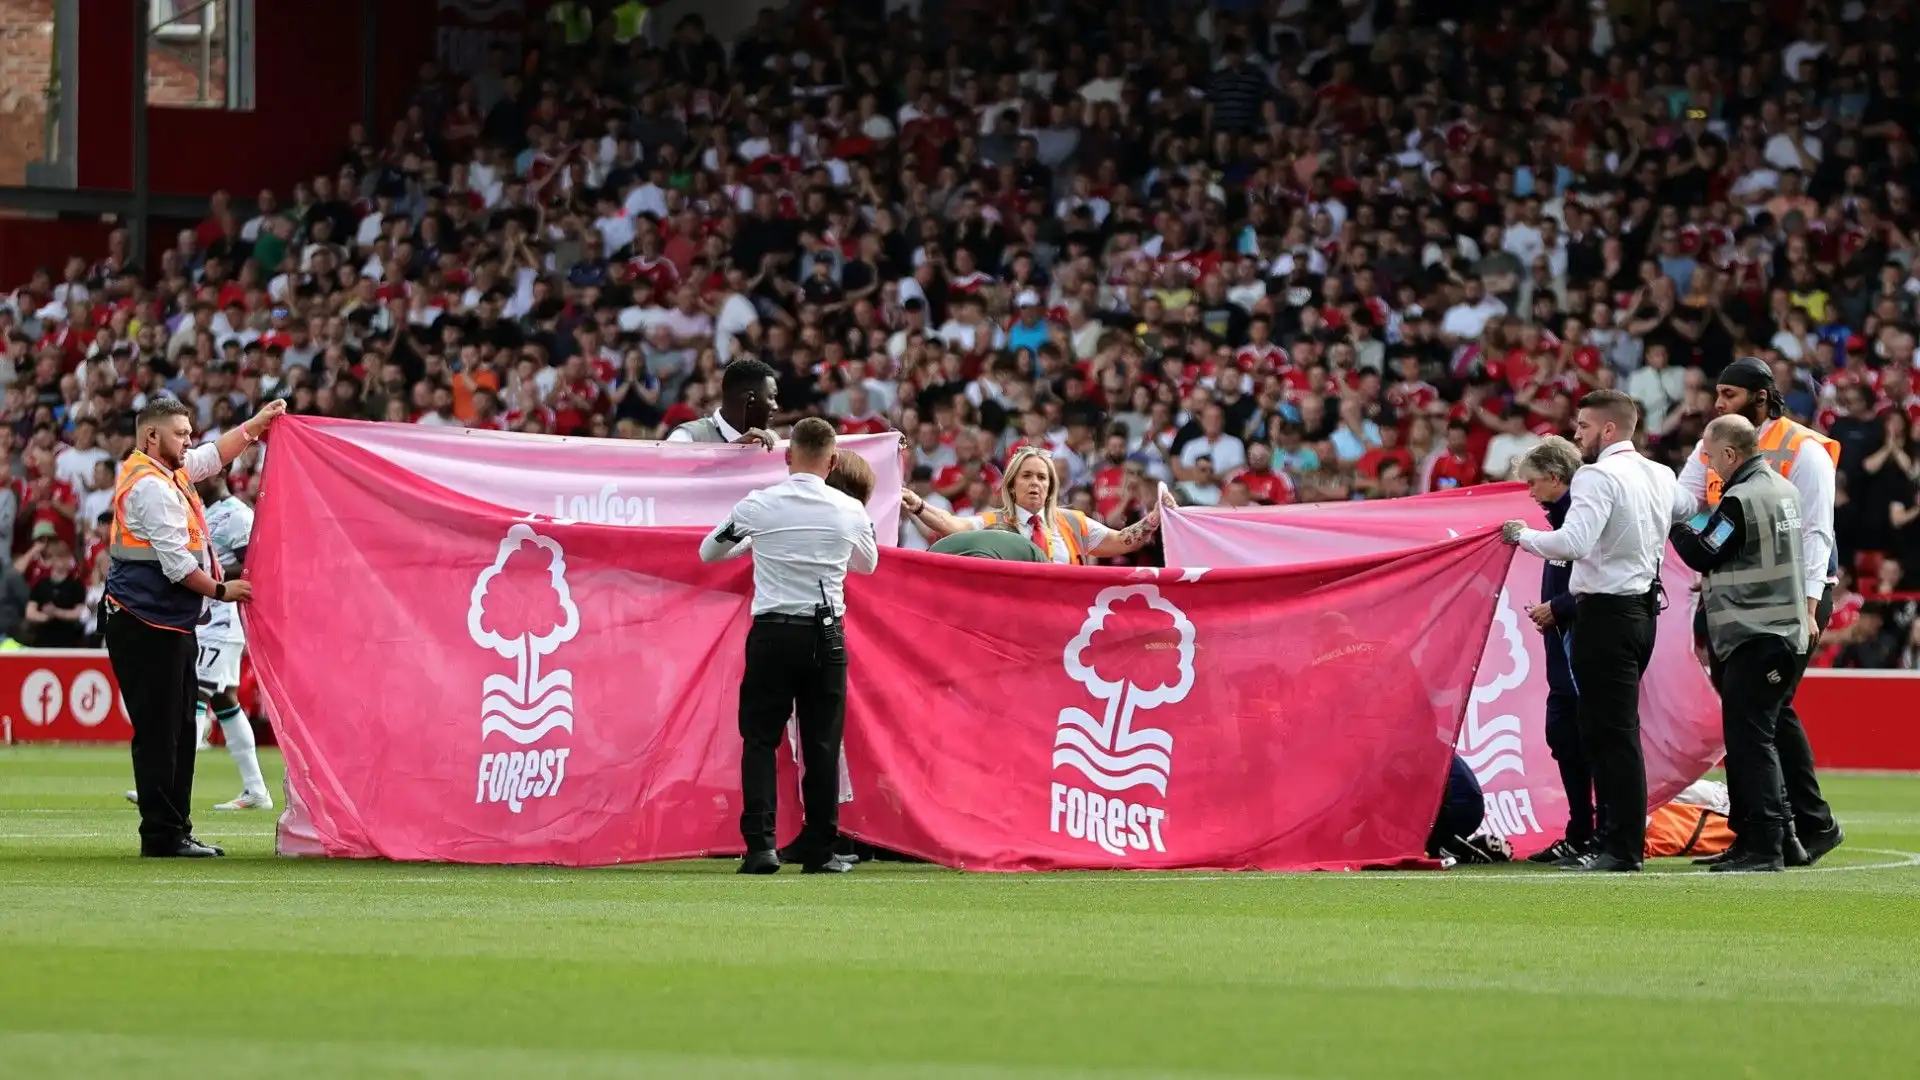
(1507,447)
(1463,322)
(1226,452)
(1659,387)
(805,537)
(737,315)
(75,464)
(1615,535)
(1807,460)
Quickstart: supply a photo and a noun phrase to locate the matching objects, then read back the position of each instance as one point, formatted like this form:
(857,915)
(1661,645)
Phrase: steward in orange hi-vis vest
(163,571)
(1069,527)
(1780,442)
(1030,505)
(135,580)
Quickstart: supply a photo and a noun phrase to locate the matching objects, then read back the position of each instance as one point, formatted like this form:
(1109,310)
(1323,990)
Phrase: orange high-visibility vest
(1068,525)
(1685,829)
(1780,443)
(121,543)
(134,579)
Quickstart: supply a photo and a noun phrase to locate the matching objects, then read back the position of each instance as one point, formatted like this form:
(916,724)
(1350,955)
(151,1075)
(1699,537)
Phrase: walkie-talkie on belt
(833,638)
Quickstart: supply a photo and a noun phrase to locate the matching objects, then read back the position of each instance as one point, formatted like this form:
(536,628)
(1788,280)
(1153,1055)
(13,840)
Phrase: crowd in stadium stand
(1265,253)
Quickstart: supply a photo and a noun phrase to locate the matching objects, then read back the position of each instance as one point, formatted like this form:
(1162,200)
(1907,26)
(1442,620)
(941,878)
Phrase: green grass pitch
(255,967)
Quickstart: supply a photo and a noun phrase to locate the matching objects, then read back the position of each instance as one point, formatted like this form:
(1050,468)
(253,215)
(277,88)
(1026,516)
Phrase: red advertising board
(60,695)
(1862,719)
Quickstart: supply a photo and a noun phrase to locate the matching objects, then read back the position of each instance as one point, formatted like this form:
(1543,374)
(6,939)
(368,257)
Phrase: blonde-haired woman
(1030,502)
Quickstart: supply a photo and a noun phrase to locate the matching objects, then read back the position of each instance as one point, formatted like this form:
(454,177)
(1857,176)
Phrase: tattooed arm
(1130,539)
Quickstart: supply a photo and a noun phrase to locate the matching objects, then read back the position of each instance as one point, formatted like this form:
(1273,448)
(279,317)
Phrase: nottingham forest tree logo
(1134,653)
(522,609)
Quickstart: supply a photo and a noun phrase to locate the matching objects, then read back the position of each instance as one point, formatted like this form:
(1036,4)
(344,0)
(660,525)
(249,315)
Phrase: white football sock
(202,721)
(239,732)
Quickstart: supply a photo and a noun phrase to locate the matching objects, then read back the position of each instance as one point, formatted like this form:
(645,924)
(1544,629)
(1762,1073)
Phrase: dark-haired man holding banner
(805,537)
(162,573)
(1615,535)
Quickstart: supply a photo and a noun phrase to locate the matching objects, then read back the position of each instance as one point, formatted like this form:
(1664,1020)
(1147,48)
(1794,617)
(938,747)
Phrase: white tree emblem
(1109,751)
(524,614)
(1492,745)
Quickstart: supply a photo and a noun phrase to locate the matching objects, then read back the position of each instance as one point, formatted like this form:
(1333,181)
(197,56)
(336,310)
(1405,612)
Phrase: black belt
(1653,597)
(780,618)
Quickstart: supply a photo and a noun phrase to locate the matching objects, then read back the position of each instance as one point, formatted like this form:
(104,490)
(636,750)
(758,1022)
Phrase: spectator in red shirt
(1451,466)
(1264,485)
(860,418)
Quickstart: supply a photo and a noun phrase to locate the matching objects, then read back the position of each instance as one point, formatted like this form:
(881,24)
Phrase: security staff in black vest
(1757,628)
(161,573)
(1807,460)
(804,536)
(749,392)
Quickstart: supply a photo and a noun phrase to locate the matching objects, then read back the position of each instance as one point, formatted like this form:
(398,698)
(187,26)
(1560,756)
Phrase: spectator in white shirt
(75,464)
(1225,451)
(1507,447)
(1464,321)
(440,413)
(1659,387)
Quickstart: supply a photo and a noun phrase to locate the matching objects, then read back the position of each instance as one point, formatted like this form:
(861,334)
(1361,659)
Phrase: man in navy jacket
(1548,470)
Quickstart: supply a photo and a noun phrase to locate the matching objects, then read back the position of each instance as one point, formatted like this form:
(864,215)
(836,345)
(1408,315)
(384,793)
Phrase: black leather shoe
(1793,853)
(215,848)
(1749,863)
(759,862)
(1816,846)
(1604,863)
(1732,852)
(187,848)
(1560,850)
(835,865)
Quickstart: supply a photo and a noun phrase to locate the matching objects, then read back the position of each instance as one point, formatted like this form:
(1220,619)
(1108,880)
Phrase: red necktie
(1040,537)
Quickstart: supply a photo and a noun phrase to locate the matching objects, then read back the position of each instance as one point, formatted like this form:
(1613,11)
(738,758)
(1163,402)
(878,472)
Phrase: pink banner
(1504,735)
(526,689)
(603,481)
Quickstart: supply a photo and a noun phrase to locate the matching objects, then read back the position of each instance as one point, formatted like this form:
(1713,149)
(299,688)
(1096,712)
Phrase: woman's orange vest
(1780,444)
(1068,525)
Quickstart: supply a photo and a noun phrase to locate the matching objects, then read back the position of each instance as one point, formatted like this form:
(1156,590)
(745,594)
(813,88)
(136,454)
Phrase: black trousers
(1612,645)
(1755,681)
(1808,809)
(155,669)
(1576,776)
(795,668)
(1463,806)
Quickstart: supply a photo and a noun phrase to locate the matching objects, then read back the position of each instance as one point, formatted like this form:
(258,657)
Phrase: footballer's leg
(221,684)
